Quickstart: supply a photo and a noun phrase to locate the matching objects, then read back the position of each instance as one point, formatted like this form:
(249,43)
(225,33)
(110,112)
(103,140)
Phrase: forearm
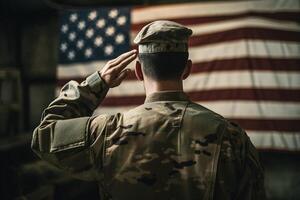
(76,100)
(68,136)
(65,123)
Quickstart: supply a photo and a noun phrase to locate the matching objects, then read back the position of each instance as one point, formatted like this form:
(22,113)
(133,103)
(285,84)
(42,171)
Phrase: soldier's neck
(160,86)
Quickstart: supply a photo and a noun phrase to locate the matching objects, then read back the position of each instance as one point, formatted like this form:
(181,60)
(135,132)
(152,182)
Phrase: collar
(167,96)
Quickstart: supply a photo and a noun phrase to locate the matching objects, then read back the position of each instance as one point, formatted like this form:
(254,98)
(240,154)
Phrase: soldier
(167,148)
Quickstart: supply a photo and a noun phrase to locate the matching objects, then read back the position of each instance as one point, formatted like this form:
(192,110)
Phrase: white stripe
(243,79)
(222,80)
(224,50)
(212,9)
(275,140)
(255,109)
(246,22)
(245,48)
(236,109)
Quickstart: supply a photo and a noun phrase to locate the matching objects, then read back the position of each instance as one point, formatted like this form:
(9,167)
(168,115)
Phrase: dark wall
(282,175)
(39,46)
(29,45)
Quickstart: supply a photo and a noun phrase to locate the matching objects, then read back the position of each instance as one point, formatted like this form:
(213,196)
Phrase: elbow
(40,145)
(41,139)
(36,146)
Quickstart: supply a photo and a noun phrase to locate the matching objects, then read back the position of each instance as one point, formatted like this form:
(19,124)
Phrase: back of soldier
(167,148)
(163,150)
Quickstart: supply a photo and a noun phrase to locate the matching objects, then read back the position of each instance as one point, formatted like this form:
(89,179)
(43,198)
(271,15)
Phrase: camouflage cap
(163,36)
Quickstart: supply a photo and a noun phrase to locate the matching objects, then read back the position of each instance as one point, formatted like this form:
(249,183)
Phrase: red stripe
(287,95)
(242,34)
(245,33)
(228,65)
(288,16)
(246,94)
(290,125)
(250,64)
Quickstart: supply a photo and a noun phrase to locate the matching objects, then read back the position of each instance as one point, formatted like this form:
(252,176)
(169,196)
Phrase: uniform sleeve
(63,136)
(251,182)
(240,175)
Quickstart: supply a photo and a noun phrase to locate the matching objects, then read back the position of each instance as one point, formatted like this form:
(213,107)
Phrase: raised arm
(63,137)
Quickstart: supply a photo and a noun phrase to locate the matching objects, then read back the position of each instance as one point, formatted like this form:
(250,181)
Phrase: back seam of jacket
(180,125)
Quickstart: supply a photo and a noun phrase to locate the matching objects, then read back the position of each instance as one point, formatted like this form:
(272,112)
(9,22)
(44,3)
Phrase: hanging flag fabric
(246,60)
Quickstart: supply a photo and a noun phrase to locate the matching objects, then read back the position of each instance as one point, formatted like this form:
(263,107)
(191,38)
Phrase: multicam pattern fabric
(163,36)
(167,148)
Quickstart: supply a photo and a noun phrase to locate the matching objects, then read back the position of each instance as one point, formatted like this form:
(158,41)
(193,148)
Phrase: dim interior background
(28,59)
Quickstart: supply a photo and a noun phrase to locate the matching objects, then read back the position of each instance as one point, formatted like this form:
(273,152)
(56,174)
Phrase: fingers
(123,64)
(113,72)
(121,77)
(122,57)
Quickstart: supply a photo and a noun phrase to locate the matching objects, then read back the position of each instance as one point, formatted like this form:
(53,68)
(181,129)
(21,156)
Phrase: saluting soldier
(167,148)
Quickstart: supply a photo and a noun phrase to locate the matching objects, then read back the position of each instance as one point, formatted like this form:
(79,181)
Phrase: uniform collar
(167,96)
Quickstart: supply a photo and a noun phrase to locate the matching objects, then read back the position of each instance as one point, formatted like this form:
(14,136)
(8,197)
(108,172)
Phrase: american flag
(246,60)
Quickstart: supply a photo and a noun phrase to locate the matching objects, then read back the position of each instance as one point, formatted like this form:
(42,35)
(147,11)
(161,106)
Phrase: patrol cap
(163,36)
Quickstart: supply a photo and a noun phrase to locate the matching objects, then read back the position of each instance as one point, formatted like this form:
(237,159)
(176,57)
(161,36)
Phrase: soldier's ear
(187,69)
(138,71)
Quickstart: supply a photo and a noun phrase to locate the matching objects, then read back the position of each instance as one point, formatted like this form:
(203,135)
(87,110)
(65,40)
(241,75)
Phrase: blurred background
(246,58)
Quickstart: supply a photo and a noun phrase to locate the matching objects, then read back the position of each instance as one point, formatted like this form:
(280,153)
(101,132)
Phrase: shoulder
(235,133)
(104,123)
(231,129)
(235,143)
(243,152)
(195,110)
(202,119)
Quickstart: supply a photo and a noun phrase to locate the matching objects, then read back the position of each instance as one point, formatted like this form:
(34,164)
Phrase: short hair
(164,65)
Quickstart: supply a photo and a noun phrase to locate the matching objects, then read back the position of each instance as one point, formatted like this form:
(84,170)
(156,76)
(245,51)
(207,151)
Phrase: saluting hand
(114,72)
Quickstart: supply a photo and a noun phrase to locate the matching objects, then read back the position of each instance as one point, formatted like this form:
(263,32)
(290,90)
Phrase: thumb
(121,77)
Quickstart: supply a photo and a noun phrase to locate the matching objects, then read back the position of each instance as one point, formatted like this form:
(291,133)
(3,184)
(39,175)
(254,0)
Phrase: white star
(73,17)
(88,52)
(80,44)
(81,25)
(64,28)
(63,47)
(98,41)
(92,15)
(72,36)
(108,49)
(89,33)
(71,55)
(120,38)
(110,30)
(121,20)
(100,23)
(113,13)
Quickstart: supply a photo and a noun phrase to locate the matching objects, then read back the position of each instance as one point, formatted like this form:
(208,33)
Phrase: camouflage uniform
(167,148)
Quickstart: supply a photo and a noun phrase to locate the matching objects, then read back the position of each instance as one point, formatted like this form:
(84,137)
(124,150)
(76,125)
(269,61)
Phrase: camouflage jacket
(167,148)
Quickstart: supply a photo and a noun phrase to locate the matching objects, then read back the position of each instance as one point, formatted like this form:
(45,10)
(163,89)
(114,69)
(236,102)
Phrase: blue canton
(97,34)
